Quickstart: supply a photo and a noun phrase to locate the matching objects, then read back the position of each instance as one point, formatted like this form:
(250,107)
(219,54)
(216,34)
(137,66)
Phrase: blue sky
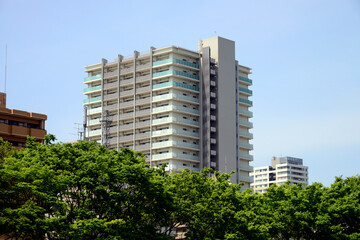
(305,57)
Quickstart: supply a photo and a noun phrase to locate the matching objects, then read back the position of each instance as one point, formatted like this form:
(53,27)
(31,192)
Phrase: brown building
(16,125)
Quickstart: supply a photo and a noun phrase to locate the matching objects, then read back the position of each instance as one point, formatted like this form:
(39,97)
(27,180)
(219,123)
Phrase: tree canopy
(85,191)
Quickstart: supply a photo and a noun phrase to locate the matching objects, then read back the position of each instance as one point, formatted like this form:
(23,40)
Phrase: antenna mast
(5,65)
(106,121)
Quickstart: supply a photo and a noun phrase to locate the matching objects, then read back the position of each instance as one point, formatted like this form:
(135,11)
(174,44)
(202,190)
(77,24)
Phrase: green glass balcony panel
(246,179)
(95,132)
(246,156)
(91,89)
(175,72)
(175,131)
(245,112)
(245,90)
(175,155)
(175,96)
(92,78)
(247,167)
(174,60)
(245,134)
(175,107)
(244,79)
(94,121)
(245,123)
(175,84)
(245,145)
(173,167)
(175,120)
(95,110)
(175,143)
(90,100)
(242,100)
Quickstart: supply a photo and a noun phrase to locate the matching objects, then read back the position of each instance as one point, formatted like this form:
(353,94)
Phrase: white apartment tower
(282,169)
(184,108)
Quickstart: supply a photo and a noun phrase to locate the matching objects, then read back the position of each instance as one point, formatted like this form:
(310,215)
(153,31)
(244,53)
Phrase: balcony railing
(246,167)
(175,72)
(175,120)
(174,167)
(91,89)
(245,112)
(90,100)
(175,131)
(175,96)
(174,155)
(245,90)
(175,84)
(246,179)
(175,107)
(92,78)
(244,79)
(95,132)
(246,145)
(246,156)
(94,110)
(174,60)
(246,101)
(245,123)
(175,143)
(245,134)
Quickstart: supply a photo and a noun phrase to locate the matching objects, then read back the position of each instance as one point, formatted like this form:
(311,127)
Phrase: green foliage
(85,191)
(81,191)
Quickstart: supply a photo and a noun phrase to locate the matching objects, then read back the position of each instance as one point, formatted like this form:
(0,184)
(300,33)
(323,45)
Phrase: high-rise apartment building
(184,108)
(282,169)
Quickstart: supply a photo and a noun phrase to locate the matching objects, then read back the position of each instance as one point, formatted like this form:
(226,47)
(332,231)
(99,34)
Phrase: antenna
(85,123)
(5,65)
(105,135)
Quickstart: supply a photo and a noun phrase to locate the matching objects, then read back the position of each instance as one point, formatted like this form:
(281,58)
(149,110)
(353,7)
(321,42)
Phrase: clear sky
(305,57)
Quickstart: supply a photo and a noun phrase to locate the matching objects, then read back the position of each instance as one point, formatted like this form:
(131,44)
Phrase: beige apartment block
(187,109)
(282,170)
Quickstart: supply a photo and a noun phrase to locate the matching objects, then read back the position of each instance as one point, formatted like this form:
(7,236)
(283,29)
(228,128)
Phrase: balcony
(175,108)
(245,101)
(174,60)
(246,145)
(173,131)
(245,80)
(94,121)
(246,113)
(91,100)
(96,77)
(175,120)
(94,110)
(175,96)
(177,167)
(245,123)
(173,143)
(245,90)
(245,156)
(176,73)
(92,89)
(245,134)
(175,84)
(94,132)
(175,155)
(246,179)
(246,168)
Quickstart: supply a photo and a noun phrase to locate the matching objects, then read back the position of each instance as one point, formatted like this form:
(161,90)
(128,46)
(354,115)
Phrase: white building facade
(282,169)
(184,108)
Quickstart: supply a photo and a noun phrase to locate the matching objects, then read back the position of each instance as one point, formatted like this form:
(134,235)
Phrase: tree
(81,191)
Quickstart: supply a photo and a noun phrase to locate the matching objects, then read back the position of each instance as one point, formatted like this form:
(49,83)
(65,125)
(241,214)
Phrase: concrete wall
(223,51)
